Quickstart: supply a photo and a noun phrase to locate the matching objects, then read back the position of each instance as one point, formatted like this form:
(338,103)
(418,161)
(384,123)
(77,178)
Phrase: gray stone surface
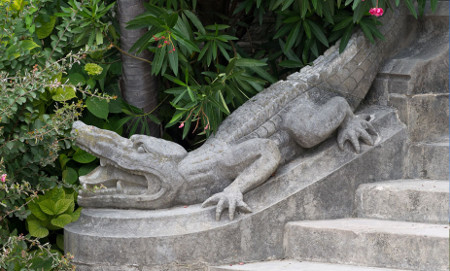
(424,201)
(369,242)
(317,185)
(429,160)
(428,116)
(291,265)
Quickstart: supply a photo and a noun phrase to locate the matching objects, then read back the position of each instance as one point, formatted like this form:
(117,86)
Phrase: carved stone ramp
(320,184)
(292,265)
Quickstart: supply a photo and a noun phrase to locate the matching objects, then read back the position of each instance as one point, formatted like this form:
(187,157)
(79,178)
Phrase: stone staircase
(397,224)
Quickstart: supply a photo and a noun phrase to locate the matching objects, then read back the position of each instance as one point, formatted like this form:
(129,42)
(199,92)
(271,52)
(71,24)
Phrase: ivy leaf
(83,157)
(61,220)
(62,205)
(36,229)
(98,107)
(47,206)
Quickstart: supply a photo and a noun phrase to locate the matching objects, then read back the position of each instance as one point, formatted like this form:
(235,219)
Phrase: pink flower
(3,178)
(376,12)
(181,125)
(207,127)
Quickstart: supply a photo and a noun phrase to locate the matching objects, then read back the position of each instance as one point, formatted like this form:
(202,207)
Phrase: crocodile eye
(140,149)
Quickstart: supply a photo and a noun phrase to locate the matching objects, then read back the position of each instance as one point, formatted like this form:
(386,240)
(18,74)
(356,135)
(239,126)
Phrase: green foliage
(52,211)
(23,253)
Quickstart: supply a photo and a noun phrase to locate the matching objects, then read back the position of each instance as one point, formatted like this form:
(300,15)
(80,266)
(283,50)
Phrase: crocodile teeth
(102,162)
(119,186)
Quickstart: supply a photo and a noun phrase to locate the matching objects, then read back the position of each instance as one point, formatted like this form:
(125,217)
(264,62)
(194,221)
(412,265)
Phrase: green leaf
(61,220)
(195,21)
(192,47)
(86,169)
(36,229)
(62,205)
(158,61)
(191,94)
(433,5)
(83,157)
(287,4)
(46,27)
(215,27)
(64,93)
(55,194)
(175,119)
(367,31)
(47,206)
(76,214)
(60,241)
(292,38)
(318,33)
(248,62)
(36,211)
(171,20)
(411,8)
(355,4)
(175,80)
(77,78)
(291,64)
(345,38)
(173,60)
(304,8)
(98,107)
(28,45)
(343,24)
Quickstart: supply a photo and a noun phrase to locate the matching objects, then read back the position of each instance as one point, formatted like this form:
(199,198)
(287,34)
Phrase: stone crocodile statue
(268,130)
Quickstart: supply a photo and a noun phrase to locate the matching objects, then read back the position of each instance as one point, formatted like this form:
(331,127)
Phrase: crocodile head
(132,173)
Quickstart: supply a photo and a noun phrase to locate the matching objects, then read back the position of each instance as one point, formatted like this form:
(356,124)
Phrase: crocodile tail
(349,74)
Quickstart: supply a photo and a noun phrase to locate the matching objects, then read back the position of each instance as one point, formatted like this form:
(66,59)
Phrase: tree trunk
(138,86)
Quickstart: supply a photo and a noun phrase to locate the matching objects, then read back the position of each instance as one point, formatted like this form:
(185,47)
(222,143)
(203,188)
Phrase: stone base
(318,185)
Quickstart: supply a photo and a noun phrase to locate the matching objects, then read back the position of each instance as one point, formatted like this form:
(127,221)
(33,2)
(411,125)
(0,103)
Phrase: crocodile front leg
(255,159)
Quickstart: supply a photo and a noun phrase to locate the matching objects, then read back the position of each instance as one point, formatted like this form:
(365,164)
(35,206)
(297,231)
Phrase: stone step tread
(441,186)
(292,265)
(363,225)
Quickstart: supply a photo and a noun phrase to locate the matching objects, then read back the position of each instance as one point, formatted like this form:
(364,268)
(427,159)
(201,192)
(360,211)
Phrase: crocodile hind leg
(254,160)
(310,124)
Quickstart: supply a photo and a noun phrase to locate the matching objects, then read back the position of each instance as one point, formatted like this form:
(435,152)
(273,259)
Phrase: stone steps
(369,242)
(292,265)
(404,200)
